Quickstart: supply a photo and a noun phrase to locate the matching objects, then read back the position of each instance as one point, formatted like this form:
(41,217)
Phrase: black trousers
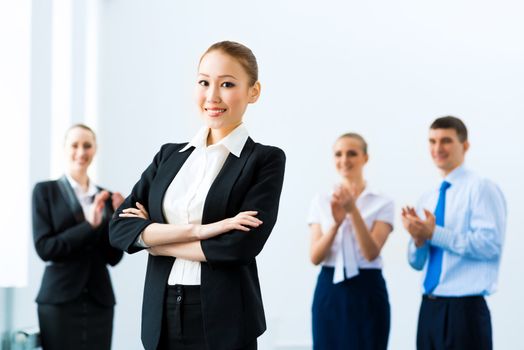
(454,323)
(81,324)
(182,324)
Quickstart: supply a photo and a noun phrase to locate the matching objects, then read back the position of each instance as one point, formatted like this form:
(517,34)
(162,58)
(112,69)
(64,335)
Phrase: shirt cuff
(441,237)
(140,243)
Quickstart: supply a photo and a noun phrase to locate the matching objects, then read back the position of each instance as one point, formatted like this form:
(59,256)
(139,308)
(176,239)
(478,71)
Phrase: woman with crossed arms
(204,210)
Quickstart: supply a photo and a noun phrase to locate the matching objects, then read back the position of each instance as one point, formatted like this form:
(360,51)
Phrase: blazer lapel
(70,198)
(218,195)
(166,172)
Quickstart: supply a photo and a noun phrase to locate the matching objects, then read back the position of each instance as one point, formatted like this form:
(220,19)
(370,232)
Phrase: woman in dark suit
(204,210)
(70,230)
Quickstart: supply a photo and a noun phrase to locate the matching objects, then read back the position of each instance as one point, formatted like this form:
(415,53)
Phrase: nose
(213,94)
(81,151)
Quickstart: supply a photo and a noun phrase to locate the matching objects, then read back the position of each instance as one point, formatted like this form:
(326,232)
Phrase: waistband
(182,294)
(432,297)
(331,269)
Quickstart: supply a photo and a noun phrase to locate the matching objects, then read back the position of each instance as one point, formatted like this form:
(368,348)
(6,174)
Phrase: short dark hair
(450,122)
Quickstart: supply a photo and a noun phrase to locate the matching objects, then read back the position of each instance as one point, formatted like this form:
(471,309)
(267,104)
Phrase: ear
(366,157)
(466,146)
(254,92)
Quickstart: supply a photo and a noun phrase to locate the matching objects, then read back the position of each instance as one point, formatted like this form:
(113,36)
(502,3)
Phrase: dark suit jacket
(77,254)
(231,300)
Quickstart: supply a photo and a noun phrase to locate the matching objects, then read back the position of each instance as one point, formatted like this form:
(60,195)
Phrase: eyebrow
(220,76)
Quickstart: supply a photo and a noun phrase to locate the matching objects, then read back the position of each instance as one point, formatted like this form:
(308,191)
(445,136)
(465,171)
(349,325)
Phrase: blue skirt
(353,314)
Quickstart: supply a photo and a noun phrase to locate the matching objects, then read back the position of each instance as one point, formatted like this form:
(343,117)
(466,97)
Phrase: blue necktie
(435,253)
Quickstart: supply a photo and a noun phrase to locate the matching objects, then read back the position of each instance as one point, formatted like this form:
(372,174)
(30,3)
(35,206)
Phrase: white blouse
(345,254)
(185,197)
(84,198)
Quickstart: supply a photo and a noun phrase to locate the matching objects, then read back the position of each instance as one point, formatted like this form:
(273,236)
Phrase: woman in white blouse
(349,227)
(204,210)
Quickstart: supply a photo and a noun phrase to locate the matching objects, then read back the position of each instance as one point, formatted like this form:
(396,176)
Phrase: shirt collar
(234,142)
(368,190)
(455,175)
(91,189)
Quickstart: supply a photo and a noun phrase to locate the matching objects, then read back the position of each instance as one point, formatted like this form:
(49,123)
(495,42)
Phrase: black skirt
(81,324)
(353,314)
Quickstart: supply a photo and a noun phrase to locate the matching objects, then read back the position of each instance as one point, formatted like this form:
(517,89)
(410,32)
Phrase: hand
(420,230)
(138,212)
(346,197)
(117,199)
(243,221)
(338,211)
(97,209)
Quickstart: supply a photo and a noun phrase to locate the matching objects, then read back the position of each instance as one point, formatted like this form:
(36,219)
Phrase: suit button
(178,299)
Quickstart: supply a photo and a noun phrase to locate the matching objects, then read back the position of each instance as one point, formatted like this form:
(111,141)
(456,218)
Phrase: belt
(436,297)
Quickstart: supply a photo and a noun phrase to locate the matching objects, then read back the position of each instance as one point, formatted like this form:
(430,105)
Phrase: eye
(352,153)
(203,83)
(338,154)
(87,145)
(227,84)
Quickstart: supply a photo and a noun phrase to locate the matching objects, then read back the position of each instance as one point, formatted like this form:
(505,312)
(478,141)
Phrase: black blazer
(77,254)
(231,300)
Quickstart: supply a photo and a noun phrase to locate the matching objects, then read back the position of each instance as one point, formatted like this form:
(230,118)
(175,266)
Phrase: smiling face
(446,149)
(80,149)
(223,91)
(349,157)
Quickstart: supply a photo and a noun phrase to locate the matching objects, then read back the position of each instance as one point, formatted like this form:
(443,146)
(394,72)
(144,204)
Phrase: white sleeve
(387,213)
(314,216)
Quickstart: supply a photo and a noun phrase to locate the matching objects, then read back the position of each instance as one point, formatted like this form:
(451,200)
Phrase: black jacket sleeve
(51,244)
(239,247)
(124,232)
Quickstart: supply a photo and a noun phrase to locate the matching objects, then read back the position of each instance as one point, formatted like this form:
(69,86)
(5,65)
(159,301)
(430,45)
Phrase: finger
(249,212)
(428,213)
(249,223)
(103,195)
(142,208)
(251,218)
(127,215)
(242,228)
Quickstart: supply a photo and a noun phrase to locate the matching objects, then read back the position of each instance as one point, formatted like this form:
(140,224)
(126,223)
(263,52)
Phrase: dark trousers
(82,324)
(353,314)
(182,325)
(454,323)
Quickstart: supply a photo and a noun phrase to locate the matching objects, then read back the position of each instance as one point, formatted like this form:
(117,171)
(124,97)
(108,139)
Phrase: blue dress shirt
(471,238)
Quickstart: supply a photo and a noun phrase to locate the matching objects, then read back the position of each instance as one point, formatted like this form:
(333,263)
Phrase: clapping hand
(419,229)
(342,203)
(117,199)
(97,209)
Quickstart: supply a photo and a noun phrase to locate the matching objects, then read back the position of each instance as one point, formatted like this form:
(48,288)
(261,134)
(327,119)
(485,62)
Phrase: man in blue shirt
(457,232)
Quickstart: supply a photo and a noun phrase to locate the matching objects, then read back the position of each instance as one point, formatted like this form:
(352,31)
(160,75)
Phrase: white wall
(384,69)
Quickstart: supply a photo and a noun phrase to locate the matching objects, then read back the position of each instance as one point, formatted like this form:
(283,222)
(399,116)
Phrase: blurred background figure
(70,231)
(349,227)
(458,245)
